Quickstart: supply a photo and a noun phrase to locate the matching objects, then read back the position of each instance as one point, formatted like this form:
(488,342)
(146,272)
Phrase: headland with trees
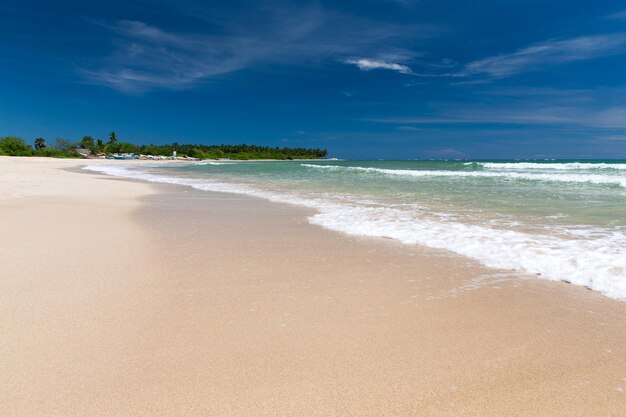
(63,148)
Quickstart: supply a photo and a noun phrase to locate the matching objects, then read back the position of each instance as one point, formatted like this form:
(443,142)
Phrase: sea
(560,220)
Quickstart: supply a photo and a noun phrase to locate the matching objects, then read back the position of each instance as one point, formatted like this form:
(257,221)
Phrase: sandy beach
(122,298)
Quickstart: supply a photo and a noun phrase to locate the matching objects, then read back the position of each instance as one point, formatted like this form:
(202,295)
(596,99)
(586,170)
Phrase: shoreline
(221,304)
(443,235)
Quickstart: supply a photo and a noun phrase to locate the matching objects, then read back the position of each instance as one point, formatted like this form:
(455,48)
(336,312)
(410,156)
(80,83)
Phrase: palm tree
(40,143)
(112,138)
(87,142)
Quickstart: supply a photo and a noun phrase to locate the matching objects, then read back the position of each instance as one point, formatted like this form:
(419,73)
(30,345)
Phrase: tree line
(63,148)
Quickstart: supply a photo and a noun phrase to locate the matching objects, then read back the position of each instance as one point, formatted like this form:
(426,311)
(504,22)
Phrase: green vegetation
(87,142)
(13,146)
(40,143)
(239,152)
(63,148)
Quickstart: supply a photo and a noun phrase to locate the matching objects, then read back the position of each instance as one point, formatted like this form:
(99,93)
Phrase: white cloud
(447,153)
(148,57)
(611,118)
(618,15)
(612,138)
(551,52)
(596,109)
(444,63)
(365,64)
(534,57)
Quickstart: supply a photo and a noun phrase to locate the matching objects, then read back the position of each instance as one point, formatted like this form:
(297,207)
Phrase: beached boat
(124,156)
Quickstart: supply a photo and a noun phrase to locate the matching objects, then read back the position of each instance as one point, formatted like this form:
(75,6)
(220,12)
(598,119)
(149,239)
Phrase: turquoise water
(565,220)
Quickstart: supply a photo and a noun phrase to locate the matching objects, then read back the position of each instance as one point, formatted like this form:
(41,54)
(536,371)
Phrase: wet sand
(120,298)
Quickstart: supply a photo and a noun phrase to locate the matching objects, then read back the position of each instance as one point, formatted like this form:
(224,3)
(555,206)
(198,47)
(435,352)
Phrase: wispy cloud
(404,2)
(618,15)
(597,109)
(534,57)
(551,52)
(612,138)
(366,64)
(613,117)
(446,153)
(444,63)
(148,57)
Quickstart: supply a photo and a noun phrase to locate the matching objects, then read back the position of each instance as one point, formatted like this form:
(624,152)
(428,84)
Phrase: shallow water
(564,220)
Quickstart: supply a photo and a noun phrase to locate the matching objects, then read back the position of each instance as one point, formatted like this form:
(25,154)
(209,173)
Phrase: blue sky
(367,79)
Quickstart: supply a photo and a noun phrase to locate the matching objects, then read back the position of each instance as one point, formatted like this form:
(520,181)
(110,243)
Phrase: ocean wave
(564,166)
(599,264)
(210,163)
(596,260)
(127,172)
(553,177)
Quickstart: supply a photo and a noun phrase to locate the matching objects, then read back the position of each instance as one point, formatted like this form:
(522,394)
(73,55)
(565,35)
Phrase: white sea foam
(599,263)
(531,176)
(210,163)
(126,172)
(565,166)
(594,258)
